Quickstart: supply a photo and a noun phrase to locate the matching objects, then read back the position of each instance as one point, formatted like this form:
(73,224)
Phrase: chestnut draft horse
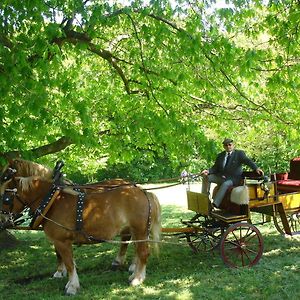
(24,168)
(126,209)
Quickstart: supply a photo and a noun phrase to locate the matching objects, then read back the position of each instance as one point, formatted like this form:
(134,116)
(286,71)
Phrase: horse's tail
(155,227)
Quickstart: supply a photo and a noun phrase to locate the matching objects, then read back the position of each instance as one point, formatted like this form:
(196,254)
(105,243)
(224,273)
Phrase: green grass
(25,271)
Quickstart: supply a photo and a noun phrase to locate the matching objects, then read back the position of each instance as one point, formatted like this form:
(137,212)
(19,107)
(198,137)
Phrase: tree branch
(54,147)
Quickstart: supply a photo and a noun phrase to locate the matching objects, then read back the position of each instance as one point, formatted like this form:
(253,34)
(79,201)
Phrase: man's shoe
(215,207)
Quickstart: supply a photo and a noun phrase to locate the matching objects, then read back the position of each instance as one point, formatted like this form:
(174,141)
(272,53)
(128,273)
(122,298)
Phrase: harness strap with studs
(44,206)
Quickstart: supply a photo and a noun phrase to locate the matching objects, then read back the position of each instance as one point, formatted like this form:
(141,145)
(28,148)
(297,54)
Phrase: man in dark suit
(227,170)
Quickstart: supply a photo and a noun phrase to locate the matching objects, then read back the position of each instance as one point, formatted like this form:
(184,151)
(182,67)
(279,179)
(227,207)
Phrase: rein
(162,187)
(96,186)
(45,205)
(92,239)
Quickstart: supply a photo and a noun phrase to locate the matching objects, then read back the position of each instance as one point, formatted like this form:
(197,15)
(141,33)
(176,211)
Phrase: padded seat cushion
(289,182)
(281,176)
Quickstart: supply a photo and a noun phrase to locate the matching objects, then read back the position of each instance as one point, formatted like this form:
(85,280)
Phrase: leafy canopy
(95,82)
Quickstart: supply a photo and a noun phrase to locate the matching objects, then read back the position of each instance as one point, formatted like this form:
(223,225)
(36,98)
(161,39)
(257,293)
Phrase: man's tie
(227,160)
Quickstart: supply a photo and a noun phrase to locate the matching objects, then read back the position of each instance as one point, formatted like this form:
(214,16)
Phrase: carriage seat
(289,181)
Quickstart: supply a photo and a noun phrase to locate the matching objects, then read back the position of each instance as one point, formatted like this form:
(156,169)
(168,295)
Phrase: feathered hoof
(58,274)
(71,290)
(131,268)
(135,282)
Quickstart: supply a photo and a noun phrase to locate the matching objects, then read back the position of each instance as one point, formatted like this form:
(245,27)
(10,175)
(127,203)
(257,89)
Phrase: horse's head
(18,193)
(24,168)
(8,172)
(8,209)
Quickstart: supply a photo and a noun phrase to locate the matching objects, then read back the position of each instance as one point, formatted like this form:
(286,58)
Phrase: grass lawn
(177,273)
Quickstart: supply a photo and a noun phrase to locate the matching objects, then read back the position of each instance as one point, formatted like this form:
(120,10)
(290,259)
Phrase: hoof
(132,268)
(58,274)
(115,266)
(136,282)
(71,291)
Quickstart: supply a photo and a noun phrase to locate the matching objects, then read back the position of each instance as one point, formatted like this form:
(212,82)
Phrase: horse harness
(39,214)
(49,199)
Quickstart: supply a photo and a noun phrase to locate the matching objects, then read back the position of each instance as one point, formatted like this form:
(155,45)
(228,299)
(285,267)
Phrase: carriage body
(198,202)
(222,227)
(263,198)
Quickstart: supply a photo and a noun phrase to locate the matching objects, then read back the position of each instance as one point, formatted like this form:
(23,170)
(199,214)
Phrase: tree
(168,79)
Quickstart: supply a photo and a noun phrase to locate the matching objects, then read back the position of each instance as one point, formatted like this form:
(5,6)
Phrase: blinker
(8,174)
(7,197)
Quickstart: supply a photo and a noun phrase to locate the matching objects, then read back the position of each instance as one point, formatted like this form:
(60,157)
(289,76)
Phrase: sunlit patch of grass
(273,252)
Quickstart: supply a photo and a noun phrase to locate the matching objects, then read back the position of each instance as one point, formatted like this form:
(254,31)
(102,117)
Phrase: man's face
(228,147)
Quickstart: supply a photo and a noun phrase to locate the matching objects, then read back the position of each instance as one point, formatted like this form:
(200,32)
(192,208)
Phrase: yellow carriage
(231,227)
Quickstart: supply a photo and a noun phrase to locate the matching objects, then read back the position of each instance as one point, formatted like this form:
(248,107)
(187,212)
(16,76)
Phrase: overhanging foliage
(165,79)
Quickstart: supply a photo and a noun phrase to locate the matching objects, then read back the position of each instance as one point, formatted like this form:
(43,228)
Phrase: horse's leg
(120,259)
(141,257)
(65,251)
(61,268)
(132,267)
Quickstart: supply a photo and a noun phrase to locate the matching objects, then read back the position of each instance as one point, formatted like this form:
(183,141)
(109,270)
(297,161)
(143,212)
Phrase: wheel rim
(278,224)
(241,245)
(295,222)
(204,241)
(293,219)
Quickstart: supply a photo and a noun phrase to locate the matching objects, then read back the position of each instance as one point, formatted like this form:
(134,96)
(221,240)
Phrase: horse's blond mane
(26,182)
(28,168)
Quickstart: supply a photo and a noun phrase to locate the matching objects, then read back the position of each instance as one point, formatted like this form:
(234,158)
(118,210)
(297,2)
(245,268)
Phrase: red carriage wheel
(241,245)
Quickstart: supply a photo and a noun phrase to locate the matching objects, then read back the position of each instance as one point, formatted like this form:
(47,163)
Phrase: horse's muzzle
(6,220)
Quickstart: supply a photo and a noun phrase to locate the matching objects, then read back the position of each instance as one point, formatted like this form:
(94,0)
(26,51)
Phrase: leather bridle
(8,197)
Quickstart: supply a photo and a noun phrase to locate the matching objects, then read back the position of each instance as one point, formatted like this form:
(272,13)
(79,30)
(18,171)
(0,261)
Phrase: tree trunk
(7,240)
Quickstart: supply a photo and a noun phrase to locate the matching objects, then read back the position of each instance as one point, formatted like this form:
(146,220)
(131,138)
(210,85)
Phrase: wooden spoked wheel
(204,241)
(241,245)
(293,219)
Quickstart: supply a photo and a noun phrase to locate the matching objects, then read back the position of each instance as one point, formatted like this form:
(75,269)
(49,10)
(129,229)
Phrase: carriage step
(228,217)
(185,229)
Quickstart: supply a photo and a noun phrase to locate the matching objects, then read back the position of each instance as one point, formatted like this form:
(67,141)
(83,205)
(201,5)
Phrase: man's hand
(204,172)
(259,171)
